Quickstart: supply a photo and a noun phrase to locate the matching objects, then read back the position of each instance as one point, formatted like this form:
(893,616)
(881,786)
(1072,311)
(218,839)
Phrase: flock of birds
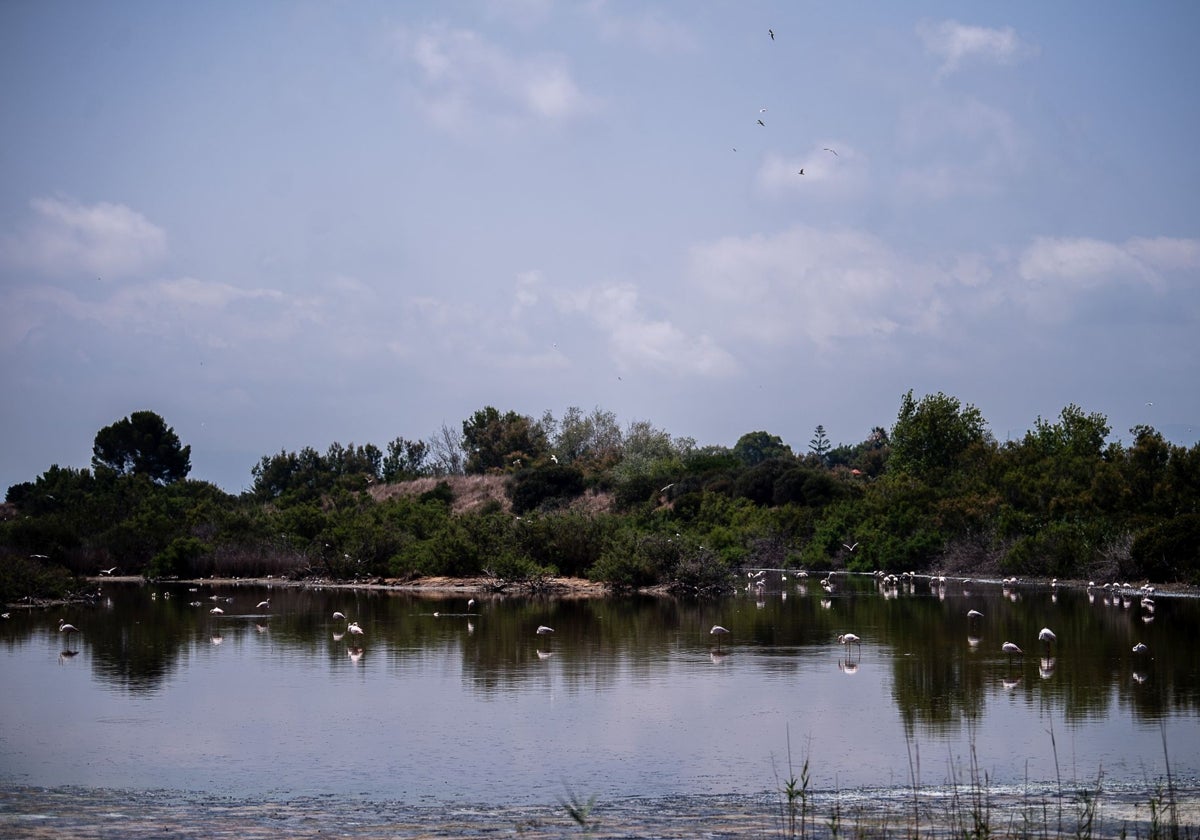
(1122,593)
(762,123)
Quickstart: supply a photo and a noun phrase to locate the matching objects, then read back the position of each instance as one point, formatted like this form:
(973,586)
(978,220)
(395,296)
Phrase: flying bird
(108,571)
(832,150)
(801,172)
(771,32)
(763,124)
(847,547)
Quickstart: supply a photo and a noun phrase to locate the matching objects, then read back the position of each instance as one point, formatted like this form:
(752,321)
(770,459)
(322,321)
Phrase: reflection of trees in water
(939,680)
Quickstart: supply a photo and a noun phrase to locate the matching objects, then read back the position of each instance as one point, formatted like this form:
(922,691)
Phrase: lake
(441,701)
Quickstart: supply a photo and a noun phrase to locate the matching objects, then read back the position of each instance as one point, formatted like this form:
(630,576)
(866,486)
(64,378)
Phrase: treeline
(631,506)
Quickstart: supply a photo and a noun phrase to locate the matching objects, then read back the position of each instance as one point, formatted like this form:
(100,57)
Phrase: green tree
(497,442)
(931,436)
(820,445)
(405,459)
(753,448)
(142,444)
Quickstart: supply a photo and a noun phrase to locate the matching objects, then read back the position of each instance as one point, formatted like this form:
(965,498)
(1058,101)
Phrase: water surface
(439,702)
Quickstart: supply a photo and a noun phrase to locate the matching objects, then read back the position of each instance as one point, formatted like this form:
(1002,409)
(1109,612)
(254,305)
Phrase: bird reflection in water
(1010,683)
(544,654)
(66,656)
(846,666)
(355,654)
(1046,667)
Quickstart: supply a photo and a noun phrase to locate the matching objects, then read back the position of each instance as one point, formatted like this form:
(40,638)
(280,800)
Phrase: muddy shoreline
(31,812)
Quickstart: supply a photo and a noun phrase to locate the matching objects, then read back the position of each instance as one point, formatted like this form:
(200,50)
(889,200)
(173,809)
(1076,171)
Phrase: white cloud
(69,238)
(465,80)
(817,286)
(1088,262)
(638,341)
(956,43)
(1072,274)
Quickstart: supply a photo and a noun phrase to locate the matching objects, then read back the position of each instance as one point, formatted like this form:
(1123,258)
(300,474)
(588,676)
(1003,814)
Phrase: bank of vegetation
(520,499)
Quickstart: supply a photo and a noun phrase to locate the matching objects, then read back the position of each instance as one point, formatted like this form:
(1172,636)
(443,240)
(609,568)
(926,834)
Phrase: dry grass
(472,492)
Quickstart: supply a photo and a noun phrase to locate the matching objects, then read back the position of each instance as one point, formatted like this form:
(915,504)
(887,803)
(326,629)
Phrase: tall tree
(819,445)
(931,435)
(496,441)
(142,444)
(755,447)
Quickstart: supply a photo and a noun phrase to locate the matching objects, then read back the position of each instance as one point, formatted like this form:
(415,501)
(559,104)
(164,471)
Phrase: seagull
(801,172)
(832,150)
(554,458)
(108,571)
(847,547)
(771,32)
(763,124)
(762,110)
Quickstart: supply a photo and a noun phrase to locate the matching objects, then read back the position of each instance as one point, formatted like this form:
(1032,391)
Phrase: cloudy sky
(284,224)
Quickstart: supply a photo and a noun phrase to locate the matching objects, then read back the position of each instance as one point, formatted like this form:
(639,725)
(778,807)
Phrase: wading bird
(217,611)
(1140,648)
(338,616)
(63,627)
(850,639)
(718,631)
(543,630)
(1047,637)
(1012,650)
(263,605)
(353,629)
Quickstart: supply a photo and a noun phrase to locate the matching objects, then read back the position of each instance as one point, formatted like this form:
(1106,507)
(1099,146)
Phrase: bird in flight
(771,32)
(849,547)
(801,172)
(832,150)
(763,124)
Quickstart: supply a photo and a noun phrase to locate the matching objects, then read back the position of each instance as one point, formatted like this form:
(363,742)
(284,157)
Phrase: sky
(288,224)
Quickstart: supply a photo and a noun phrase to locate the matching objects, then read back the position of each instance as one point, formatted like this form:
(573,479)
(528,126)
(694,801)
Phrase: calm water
(629,697)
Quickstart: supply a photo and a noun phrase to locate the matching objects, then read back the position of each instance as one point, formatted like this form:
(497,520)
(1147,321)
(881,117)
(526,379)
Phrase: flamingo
(63,627)
(974,614)
(1047,635)
(217,611)
(353,629)
(339,616)
(470,604)
(263,605)
(1140,648)
(1011,650)
(718,631)
(544,630)
(850,639)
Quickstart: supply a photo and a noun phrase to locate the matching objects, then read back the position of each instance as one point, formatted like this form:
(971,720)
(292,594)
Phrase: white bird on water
(850,639)
(1012,650)
(339,616)
(1047,636)
(263,605)
(353,629)
(63,627)
(718,631)
(544,630)
(217,611)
